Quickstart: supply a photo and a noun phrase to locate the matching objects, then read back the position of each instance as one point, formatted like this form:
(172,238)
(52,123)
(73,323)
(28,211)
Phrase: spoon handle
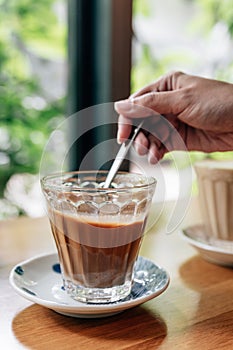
(121,156)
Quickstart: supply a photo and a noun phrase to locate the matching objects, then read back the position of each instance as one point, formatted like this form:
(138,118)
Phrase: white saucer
(214,250)
(39,280)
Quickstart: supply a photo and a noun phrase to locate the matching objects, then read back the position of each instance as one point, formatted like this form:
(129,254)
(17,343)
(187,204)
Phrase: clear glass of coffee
(98,231)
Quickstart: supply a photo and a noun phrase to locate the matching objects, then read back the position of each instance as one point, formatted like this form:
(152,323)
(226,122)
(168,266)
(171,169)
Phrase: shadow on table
(39,328)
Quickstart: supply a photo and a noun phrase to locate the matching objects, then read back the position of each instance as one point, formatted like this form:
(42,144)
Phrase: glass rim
(150,181)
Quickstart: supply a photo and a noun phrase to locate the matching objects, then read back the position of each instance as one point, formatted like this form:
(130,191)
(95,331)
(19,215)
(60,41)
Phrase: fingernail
(119,140)
(123,106)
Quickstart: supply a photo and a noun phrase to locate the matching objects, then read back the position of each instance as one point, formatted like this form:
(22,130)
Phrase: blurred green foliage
(25,126)
(214,11)
(141,7)
(148,67)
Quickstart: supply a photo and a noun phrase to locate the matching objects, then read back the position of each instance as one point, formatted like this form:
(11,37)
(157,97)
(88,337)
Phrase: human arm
(199,109)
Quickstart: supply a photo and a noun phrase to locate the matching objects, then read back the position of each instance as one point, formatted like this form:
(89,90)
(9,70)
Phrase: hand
(198,110)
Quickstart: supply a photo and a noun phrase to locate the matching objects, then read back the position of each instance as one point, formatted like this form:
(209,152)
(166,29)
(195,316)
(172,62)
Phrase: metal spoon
(121,156)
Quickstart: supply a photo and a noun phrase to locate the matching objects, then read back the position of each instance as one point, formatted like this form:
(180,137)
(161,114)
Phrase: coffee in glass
(98,231)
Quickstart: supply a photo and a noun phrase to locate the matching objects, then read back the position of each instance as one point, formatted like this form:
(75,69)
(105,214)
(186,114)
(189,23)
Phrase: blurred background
(48,49)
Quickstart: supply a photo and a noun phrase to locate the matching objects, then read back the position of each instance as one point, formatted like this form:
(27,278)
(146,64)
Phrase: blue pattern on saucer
(19,270)
(28,291)
(56,268)
(39,280)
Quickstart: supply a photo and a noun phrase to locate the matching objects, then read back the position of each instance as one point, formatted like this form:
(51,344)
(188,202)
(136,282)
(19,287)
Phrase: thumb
(148,104)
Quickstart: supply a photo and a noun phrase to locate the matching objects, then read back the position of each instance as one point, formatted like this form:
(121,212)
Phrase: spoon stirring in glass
(121,156)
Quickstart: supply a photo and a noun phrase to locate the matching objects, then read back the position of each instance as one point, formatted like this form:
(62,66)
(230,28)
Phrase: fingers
(145,90)
(151,103)
(133,108)
(154,154)
(164,97)
(141,144)
(127,112)
(124,128)
(151,146)
(167,82)
(152,140)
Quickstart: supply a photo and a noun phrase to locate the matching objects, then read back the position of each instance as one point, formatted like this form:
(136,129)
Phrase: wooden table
(195,312)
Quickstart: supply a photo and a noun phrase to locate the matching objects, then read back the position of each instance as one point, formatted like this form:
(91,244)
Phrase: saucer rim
(82,309)
(202,245)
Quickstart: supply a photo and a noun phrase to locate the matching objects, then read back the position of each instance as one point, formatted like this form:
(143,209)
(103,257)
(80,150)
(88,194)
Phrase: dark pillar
(99,63)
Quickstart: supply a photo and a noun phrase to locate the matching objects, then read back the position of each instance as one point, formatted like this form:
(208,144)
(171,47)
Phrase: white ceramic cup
(215,184)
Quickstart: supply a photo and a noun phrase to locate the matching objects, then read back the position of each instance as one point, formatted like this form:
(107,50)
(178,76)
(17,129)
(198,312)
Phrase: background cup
(98,232)
(215,183)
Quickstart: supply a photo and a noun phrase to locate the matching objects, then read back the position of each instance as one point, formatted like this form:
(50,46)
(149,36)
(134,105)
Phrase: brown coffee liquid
(96,254)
